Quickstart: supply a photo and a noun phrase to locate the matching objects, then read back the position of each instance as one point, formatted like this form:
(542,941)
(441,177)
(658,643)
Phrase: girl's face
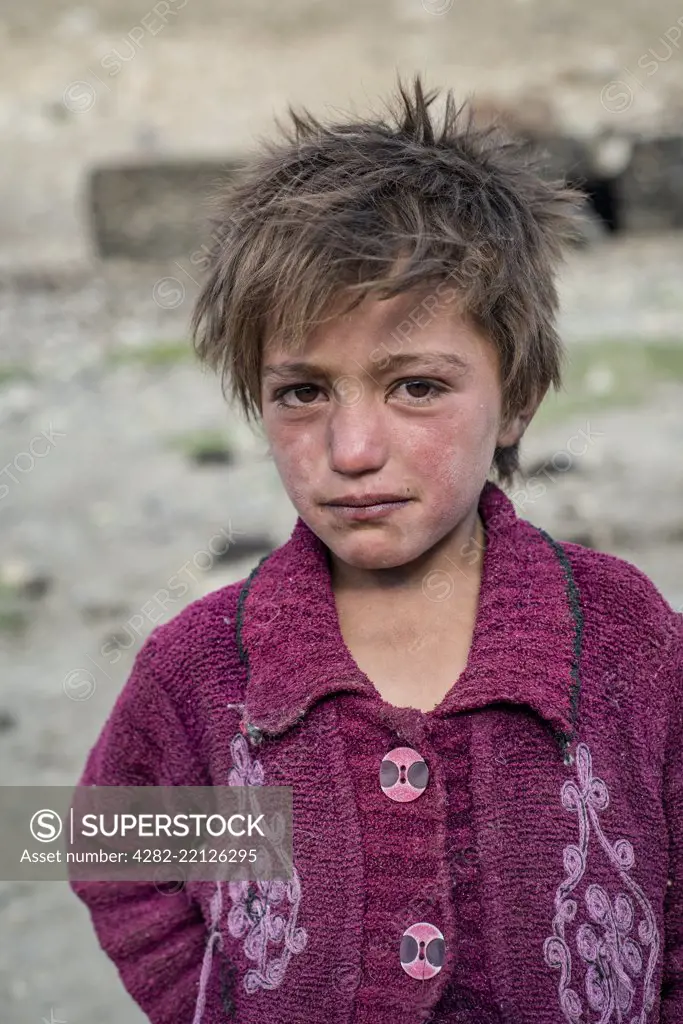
(399,397)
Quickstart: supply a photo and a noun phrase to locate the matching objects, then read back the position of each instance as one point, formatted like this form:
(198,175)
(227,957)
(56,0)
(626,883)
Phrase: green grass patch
(13,621)
(204,445)
(9,372)
(14,617)
(611,373)
(157,354)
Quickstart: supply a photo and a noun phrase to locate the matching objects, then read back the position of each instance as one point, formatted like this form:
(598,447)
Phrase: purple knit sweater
(545,847)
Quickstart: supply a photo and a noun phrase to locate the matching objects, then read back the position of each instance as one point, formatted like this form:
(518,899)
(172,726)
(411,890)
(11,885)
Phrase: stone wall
(111,83)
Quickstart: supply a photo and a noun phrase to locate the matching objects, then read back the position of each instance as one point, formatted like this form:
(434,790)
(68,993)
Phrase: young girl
(481,726)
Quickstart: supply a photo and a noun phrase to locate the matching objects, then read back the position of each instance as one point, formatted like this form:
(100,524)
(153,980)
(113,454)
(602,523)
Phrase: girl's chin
(373,553)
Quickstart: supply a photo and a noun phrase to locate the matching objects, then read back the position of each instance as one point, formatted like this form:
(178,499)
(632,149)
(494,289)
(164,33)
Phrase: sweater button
(422,950)
(403,774)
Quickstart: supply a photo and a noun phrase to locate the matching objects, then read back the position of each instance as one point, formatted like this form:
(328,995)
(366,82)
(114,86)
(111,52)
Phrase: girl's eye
(422,399)
(280,395)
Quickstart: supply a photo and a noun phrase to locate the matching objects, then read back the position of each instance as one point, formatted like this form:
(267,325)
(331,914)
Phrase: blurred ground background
(127,471)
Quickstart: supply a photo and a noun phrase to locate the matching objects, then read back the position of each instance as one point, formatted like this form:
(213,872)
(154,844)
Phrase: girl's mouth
(365,512)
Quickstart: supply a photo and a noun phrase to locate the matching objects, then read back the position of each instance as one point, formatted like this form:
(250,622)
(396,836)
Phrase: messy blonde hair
(380,207)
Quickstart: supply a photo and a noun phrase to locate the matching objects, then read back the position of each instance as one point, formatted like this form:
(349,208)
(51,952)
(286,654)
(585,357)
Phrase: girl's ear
(513,425)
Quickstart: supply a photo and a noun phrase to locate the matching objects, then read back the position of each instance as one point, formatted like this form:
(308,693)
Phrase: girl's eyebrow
(284,371)
(387,364)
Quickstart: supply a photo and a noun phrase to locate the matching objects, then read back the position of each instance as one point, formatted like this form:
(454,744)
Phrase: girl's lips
(368,511)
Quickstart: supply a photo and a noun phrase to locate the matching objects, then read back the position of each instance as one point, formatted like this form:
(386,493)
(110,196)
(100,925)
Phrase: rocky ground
(123,468)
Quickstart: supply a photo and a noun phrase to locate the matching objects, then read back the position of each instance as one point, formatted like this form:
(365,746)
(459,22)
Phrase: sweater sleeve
(672,981)
(155,939)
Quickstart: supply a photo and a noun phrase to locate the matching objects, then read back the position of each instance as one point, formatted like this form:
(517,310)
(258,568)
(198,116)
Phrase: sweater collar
(525,647)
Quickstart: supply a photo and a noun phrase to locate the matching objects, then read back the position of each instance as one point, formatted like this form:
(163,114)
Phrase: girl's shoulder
(194,656)
(618,600)
(604,577)
(629,640)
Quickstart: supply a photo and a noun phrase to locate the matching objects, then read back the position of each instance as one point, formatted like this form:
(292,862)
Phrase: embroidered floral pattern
(263,912)
(613,957)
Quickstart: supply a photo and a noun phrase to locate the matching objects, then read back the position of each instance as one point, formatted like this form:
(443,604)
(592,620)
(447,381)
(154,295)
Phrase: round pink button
(422,950)
(403,774)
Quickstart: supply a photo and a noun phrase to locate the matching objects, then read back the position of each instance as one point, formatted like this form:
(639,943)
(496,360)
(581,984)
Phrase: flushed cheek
(296,467)
(449,467)
(447,448)
(448,479)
